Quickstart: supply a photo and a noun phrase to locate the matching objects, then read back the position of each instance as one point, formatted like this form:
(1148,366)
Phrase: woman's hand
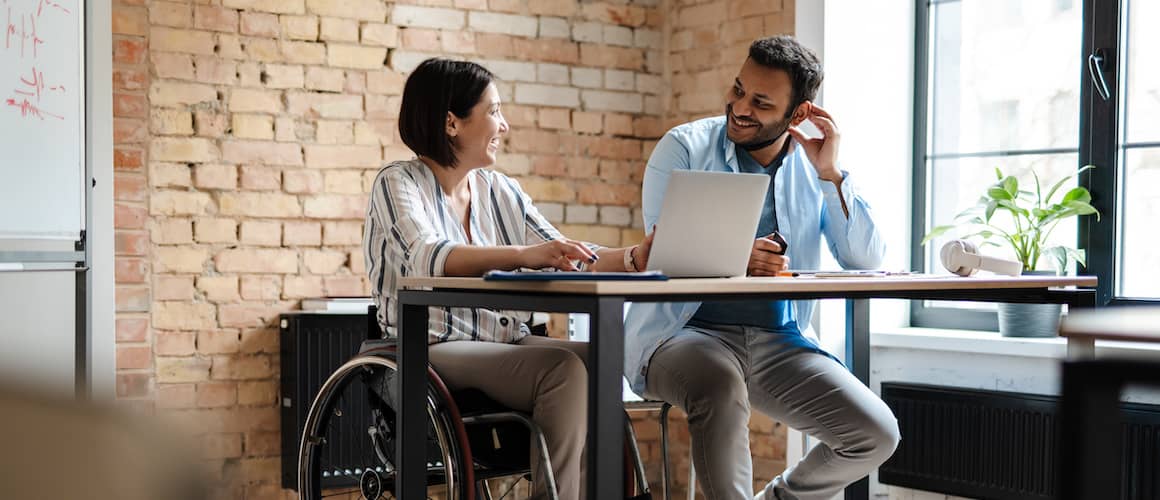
(559,254)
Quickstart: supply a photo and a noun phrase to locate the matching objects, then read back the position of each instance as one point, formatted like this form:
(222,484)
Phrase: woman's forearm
(468,260)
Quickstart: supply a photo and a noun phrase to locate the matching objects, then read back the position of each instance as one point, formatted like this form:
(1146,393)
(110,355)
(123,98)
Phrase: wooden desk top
(753,284)
(1132,324)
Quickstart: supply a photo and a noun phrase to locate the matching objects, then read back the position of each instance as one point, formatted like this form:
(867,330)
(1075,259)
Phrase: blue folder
(573,276)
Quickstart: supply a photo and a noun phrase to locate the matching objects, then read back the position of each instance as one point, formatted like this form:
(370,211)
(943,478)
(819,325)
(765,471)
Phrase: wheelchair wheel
(348,439)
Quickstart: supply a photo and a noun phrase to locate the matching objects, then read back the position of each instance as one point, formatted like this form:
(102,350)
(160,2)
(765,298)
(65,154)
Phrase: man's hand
(822,152)
(642,251)
(765,258)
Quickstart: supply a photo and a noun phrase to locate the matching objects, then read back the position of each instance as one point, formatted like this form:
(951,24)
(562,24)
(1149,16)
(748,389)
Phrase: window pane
(957,183)
(1004,75)
(1142,98)
(1139,269)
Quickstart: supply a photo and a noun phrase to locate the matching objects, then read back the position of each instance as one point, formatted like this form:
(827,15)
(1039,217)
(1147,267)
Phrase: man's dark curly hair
(787,54)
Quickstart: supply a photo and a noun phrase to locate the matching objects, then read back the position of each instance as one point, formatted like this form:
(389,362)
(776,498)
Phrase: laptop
(707,224)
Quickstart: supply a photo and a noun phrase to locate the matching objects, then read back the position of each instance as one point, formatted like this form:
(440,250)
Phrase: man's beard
(766,133)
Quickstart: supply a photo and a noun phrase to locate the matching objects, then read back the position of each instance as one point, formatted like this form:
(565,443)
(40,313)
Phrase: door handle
(1096,70)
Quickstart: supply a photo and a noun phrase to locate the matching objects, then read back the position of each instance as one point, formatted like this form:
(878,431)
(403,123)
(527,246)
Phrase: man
(716,360)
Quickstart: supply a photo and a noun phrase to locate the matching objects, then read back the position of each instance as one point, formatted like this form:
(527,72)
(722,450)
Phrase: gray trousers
(542,376)
(715,373)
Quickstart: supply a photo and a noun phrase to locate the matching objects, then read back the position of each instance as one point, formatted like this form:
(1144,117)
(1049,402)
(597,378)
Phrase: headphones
(962,257)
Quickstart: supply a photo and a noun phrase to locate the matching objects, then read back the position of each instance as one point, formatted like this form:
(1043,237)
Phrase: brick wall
(247,132)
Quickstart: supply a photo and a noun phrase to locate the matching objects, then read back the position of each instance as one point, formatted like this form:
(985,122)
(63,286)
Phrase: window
(997,85)
(1048,85)
(1137,271)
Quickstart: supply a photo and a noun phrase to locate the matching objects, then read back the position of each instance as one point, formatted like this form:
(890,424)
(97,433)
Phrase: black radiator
(1001,445)
(313,345)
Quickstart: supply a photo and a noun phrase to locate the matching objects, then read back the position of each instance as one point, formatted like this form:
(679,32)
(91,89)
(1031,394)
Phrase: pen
(787,274)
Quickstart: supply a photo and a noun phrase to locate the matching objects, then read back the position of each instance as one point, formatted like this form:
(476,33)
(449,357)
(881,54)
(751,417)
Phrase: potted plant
(1023,220)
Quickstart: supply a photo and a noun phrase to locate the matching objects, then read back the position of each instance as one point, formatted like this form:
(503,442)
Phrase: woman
(442,214)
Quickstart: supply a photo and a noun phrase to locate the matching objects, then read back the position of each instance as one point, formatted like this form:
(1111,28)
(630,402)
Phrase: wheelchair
(349,436)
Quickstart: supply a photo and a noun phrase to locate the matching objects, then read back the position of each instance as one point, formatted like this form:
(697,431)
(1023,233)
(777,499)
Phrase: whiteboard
(42,137)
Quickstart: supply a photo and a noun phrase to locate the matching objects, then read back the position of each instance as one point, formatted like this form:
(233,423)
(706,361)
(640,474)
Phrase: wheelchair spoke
(337,493)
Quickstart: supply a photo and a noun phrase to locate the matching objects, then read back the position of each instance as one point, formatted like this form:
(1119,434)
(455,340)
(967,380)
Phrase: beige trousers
(539,375)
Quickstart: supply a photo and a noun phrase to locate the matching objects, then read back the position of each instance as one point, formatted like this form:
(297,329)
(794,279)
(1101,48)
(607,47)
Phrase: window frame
(1098,144)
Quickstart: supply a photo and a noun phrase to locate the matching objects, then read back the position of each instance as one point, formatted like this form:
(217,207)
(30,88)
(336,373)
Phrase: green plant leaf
(1057,185)
(998,193)
(1038,193)
(991,206)
(1040,213)
(1011,185)
(1058,256)
(936,232)
(1077,193)
(998,174)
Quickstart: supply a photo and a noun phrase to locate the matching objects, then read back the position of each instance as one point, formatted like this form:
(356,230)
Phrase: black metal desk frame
(606,356)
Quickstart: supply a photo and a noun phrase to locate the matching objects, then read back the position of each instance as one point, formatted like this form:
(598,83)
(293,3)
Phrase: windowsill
(970,341)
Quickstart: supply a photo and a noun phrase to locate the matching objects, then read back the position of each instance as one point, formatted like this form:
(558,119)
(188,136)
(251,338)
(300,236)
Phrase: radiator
(1001,445)
(313,345)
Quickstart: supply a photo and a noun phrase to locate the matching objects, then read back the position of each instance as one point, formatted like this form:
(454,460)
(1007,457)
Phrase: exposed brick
(324,262)
(304,52)
(217,395)
(272,6)
(172,14)
(428,17)
(178,259)
(261,233)
(170,121)
(176,396)
(129,186)
(130,243)
(207,123)
(489,22)
(215,70)
(365,10)
(183,316)
(215,176)
(255,101)
(281,76)
(355,56)
(170,95)
(207,230)
(335,206)
(554,27)
(305,233)
(259,204)
(246,126)
(324,105)
(263,392)
(218,288)
(333,132)
(130,79)
(261,178)
(345,286)
(458,42)
(260,287)
(262,153)
(214,18)
(300,287)
(559,119)
(129,270)
(130,21)
(563,8)
(548,189)
(342,156)
(257,261)
(129,50)
(333,29)
(129,105)
(260,444)
(249,315)
(218,341)
(173,288)
(547,95)
(132,329)
(172,231)
(180,203)
(181,40)
(300,27)
(132,299)
(302,181)
(384,35)
(341,233)
(326,79)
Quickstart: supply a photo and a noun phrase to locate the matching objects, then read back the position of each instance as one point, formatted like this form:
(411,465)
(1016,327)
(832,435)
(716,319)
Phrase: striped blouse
(411,228)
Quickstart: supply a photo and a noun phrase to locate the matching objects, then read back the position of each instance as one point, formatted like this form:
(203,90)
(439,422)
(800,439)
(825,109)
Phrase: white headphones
(962,258)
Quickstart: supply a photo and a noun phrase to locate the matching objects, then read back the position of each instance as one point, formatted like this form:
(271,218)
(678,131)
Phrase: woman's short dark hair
(802,65)
(434,88)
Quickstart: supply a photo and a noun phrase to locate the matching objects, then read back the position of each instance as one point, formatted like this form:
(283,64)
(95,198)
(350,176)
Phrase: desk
(604,302)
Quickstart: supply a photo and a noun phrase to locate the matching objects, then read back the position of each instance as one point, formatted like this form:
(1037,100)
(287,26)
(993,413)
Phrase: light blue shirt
(806,209)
